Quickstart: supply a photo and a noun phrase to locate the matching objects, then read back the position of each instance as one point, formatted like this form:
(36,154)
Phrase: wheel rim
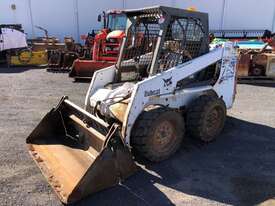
(164,136)
(213,122)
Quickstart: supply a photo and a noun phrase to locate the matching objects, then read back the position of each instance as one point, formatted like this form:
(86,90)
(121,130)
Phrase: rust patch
(243,65)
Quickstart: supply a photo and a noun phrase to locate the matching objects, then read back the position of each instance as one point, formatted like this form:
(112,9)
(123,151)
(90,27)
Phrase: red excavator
(106,46)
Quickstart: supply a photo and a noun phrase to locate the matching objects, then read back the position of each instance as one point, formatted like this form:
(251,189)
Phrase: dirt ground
(237,169)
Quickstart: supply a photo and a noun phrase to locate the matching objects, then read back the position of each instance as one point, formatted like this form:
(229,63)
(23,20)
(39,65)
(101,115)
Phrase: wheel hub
(164,135)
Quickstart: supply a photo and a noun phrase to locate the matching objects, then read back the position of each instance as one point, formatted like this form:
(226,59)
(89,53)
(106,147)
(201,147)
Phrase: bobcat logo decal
(167,82)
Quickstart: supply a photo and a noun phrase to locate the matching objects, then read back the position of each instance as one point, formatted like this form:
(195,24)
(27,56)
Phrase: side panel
(162,89)
(226,84)
(99,80)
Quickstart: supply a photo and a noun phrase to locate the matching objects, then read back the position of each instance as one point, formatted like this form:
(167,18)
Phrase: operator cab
(116,21)
(159,38)
(113,20)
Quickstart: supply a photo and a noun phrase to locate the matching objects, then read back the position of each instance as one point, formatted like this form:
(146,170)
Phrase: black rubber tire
(144,135)
(198,117)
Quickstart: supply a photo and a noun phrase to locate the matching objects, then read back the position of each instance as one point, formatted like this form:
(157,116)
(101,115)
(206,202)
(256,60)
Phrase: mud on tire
(157,133)
(206,117)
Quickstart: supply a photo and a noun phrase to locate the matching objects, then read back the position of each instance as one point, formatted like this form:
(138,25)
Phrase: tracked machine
(106,45)
(164,85)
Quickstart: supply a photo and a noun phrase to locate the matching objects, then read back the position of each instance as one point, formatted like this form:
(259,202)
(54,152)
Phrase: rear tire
(206,117)
(157,133)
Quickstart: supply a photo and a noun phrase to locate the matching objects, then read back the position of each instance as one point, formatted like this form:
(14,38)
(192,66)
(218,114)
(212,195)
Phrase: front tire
(157,133)
(206,118)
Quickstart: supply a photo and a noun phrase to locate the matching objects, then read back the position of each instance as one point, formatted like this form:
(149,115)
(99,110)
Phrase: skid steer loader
(164,85)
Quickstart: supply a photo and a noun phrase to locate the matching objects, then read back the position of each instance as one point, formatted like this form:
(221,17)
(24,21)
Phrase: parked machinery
(257,64)
(61,60)
(106,46)
(36,53)
(46,42)
(165,82)
(27,57)
(15,51)
(7,43)
(256,53)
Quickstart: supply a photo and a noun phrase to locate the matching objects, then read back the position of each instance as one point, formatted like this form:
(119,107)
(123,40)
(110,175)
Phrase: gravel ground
(237,169)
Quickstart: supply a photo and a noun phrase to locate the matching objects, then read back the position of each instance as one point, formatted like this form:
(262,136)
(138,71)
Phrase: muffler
(78,153)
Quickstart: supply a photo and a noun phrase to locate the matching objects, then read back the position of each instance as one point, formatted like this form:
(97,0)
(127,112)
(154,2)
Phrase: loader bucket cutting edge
(84,69)
(76,159)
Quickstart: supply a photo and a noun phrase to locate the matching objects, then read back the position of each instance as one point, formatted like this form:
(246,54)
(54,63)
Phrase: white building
(76,17)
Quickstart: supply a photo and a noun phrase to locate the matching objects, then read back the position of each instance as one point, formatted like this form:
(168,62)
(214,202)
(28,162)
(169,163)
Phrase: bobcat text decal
(151,93)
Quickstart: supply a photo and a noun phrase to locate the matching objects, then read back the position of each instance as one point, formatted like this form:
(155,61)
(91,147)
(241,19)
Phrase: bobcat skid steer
(165,84)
